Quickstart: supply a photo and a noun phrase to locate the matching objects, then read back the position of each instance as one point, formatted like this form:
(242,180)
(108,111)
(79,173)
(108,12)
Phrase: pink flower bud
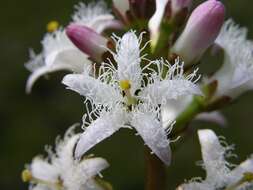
(179,5)
(87,40)
(200,32)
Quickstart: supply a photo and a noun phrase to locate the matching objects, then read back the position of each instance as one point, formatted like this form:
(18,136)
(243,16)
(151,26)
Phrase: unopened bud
(87,40)
(200,32)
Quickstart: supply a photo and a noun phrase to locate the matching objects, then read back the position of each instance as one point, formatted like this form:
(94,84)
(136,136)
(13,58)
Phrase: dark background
(28,122)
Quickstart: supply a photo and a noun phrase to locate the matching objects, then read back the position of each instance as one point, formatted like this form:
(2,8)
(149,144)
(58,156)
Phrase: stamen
(52,26)
(26,175)
(124,84)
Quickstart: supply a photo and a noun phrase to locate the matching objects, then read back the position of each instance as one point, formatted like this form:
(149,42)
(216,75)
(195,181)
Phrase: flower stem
(195,107)
(155,172)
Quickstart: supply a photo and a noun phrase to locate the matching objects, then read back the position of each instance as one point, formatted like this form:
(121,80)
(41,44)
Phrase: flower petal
(246,166)
(156,19)
(41,169)
(128,59)
(102,128)
(175,84)
(213,155)
(98,92)
(93,166)
(94,15)
(153,134)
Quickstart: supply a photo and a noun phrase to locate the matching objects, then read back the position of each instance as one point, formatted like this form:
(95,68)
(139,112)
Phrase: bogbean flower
(200,32)
(124,96)
(60,171)
(59,53)
(235,76)
(220,174)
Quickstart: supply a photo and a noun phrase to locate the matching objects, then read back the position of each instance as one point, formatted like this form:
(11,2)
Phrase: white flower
(122,99)
(236,74)
(219,172)
(59,53)
(61,171)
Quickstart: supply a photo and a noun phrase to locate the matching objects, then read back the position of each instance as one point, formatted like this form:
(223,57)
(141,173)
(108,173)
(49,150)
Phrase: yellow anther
(125,84)
(26,175)
(52,26)
(248,176)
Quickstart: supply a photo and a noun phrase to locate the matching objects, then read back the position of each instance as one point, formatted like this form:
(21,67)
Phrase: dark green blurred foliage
(28,122)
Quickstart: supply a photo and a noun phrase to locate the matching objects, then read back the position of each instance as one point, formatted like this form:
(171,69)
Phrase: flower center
(124,84)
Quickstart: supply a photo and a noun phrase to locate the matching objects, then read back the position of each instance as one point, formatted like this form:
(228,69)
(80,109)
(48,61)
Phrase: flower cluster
(137,71)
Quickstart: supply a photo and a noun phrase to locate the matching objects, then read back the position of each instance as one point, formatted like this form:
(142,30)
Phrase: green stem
(195,107)
(155,172)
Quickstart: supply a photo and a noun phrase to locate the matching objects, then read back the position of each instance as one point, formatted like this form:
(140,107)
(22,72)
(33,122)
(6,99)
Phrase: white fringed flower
(219,172)
(236,74)
(61,171)
(59,53)
(94,15)
(121,99)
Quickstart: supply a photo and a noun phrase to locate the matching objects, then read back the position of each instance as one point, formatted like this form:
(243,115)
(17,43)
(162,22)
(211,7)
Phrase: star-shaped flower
(128,95)
(60,171)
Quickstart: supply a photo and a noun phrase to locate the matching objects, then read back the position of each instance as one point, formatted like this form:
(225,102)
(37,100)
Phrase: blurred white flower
(59,53)
(236,74)
(61,171)
(122,99)
(219,172)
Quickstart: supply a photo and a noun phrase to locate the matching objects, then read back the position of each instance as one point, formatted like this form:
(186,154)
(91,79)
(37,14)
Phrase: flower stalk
(155,172)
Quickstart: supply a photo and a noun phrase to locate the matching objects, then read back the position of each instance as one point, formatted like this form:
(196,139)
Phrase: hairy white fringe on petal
(156,19)
(171,84)
(214,158)
(42,169)
(152,132)
(94,15)
(214,162)
(58,54)
(103,127)
(128,59)
(98,91)
(235,76)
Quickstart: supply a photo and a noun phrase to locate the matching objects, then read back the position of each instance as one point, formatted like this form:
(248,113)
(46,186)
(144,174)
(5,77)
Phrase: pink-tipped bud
(87,40)
(179,5)
(200,32)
